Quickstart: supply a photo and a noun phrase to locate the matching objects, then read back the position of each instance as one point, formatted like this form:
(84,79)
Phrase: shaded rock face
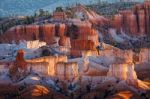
(144,55)
(19,69)
(83,45)
(134,22)
(20,61)
(67,70)
(64,41)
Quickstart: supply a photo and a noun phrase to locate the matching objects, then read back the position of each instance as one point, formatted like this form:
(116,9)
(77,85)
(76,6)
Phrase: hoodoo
(134,22)
(76,53)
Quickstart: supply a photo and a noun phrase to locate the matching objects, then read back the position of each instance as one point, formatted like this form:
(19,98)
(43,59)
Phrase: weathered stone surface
(64,41)
(117,21)
(39,67)
(39,91)
(51,60)
(47,33)
(62,30)
(19,69)
(134,22)
(141,25)
(147,15)
(144,55)
(83,45)
(124,72)
(66,70)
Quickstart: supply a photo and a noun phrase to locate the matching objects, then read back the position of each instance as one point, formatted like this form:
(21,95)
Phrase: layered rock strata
(134,22)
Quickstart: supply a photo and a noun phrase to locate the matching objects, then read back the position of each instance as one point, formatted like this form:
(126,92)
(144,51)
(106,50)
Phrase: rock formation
(47,33)
(35,44)
(65,41)
(51,61)
(124,72)
(19,69)
(78,46)
(134,22)
(144,55)
(66,71)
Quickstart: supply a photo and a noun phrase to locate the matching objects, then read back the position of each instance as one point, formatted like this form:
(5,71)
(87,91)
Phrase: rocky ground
(36,87)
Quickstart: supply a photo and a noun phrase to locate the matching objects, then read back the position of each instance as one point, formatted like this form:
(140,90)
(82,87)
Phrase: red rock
(147,13)
(32,31)
(132,24)
(76,53)
(59,15)
(47,33)
(125,21)
(20,61)
(19,64)
(141,16)
(64,41)
(117,21)
(41,92)
(62,28)
(83,45)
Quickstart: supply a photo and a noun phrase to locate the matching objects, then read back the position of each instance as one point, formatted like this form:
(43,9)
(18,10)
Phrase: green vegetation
(110,9)
(59,9)
(7,23)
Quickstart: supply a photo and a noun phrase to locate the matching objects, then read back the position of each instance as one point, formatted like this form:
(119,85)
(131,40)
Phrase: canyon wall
(65,41)
(39,67)
(66,70)
(135,21)
(51,60)
(144,55)
(123,71)
(116,54)
(79,36)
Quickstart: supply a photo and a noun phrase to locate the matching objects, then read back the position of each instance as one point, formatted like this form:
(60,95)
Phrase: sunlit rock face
(51,61)
(29,33)
(89,53)
(35,44)
(66,70)
(62,29)
(134,22)
(124,71)
(39,91)
(48,32)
